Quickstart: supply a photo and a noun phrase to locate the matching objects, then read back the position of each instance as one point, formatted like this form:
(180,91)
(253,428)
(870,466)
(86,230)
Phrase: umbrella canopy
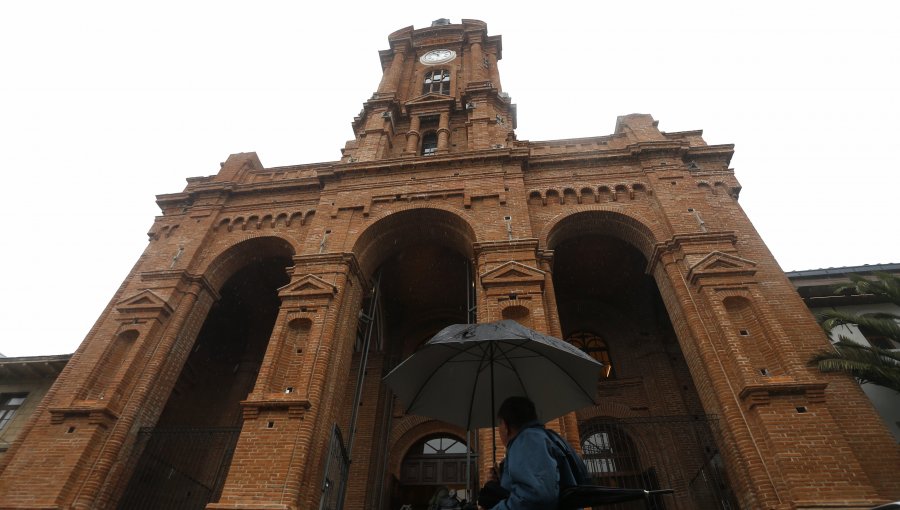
(466,371)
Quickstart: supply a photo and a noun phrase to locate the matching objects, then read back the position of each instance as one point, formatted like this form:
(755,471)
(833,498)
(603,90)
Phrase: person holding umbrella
(539,463)
(463,370)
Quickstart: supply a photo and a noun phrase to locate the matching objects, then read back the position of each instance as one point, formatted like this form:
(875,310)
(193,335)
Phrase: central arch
(612,221)
(402,228)
(419,261)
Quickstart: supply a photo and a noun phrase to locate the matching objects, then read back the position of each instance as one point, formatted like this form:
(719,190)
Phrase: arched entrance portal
(182,463)
(420,264)
(651,430)
(432,468)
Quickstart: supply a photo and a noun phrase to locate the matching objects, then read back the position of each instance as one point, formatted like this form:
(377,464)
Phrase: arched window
(609,454)
(429,144)
(438,460)
(442,445)
(437,82)
(595,347)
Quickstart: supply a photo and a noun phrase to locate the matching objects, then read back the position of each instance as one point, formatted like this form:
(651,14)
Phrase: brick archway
(606,220)
(400,228)
(238,255)
(414,430)
(418,474)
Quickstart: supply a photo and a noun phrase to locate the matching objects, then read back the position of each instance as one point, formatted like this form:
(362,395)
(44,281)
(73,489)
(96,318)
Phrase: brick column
(545,257)
(774,426)
(300,390)
(511,286)
(443,133)
(494,72)
(476,62)
(390,80)
(569,422)
(82,438)
(412,136)
(158,376)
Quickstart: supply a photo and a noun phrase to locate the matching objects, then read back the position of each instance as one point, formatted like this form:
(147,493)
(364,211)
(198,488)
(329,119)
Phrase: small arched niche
(518,313)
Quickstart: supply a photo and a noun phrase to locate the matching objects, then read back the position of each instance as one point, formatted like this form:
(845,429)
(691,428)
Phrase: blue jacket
(531,471)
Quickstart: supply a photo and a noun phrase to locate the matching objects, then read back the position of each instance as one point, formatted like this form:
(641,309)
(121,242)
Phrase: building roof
(840,271)
(33,367)
(817,286)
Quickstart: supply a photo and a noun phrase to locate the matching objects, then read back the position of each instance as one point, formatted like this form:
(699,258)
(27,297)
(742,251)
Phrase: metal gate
(179,468)
(670,452)
(337,466)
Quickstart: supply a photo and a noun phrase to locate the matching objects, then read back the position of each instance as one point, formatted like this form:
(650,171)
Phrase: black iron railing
(179,468)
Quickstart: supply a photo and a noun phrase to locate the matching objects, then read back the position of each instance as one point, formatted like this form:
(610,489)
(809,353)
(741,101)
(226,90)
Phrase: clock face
(438,56)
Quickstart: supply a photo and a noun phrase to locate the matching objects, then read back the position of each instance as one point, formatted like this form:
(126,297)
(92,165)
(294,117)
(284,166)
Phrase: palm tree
(868,364)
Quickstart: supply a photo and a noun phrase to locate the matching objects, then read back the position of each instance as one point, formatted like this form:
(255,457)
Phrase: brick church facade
(239,365)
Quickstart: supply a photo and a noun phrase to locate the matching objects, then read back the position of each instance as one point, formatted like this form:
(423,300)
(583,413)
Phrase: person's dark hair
(517,411)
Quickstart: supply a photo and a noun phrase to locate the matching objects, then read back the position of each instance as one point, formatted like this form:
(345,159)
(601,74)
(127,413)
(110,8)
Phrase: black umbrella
(466,371)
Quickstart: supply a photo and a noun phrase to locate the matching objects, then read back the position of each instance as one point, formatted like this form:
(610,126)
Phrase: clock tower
(240,364)
(440,94)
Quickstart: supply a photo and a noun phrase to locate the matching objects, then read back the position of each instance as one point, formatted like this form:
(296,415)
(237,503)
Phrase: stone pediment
(512,273)
(308,286)
(144,302)
(429,99)
(718,264)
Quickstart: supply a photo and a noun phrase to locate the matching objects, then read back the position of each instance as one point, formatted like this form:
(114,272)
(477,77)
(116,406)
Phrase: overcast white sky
(105,104)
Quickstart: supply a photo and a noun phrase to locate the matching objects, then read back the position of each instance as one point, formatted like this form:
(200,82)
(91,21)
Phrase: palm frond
(886,285)
(876,323)
(867,364)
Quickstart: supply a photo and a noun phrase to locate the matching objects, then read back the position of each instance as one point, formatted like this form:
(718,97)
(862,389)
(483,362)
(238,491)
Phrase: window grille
(437,82)
(429,144)
(9,404)
(595,347)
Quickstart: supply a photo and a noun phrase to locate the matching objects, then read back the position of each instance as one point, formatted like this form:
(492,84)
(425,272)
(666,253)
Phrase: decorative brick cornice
(760,394)
(180,276)
(513,273)
(423,104)
(423,163)
(718,265)
(485,247)
(144,304)
(347,259)
(247,506)
(679,242)
(97,413)
(295,407)
(306,287)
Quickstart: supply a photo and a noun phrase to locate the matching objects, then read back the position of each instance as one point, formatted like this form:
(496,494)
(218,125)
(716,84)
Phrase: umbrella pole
(469,465)
(493,419)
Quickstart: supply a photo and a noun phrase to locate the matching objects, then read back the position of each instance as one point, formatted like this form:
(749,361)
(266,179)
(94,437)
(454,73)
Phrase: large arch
(602,287)
(235,256)
(640,232)
(182,461)
(401,228)
(419,260)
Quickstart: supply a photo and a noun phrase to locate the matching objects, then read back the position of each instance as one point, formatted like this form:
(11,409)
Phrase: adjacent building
(24,381)
(817,288)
